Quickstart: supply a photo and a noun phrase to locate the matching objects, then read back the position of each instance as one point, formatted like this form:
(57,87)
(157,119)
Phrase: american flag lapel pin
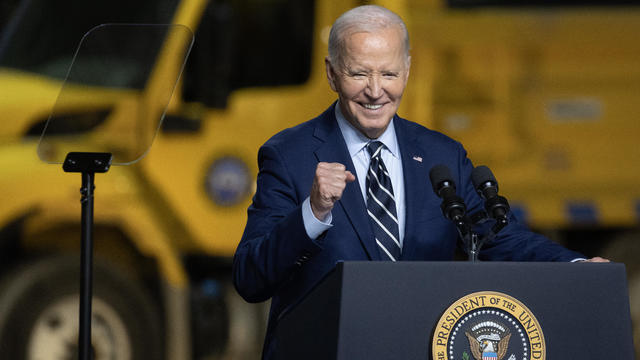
(417,158)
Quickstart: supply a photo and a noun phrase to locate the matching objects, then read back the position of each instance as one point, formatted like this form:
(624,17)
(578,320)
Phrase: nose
(374,87)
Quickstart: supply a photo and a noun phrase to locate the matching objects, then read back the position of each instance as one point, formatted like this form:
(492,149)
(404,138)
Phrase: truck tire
(39,313)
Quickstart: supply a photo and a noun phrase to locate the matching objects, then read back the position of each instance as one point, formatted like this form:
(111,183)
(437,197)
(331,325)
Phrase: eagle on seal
(489,347)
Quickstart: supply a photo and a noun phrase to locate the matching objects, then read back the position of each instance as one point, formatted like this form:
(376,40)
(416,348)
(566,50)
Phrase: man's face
(370,79)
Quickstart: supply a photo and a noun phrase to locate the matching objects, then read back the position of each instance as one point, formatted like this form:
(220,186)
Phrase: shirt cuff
(578,260)
(312,225)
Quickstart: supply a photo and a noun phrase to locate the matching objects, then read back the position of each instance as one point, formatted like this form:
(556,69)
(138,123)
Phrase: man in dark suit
(319,202)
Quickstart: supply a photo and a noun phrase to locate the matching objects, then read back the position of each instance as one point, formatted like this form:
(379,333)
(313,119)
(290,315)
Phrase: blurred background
(546,93)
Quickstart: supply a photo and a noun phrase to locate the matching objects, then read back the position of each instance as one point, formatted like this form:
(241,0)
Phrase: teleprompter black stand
(86,144)
(88,164)
(384,310)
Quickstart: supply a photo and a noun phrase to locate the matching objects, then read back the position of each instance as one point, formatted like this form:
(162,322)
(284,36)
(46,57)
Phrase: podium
(385,310)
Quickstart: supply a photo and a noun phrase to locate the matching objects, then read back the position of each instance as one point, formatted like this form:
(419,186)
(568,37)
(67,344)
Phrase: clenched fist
(327,188)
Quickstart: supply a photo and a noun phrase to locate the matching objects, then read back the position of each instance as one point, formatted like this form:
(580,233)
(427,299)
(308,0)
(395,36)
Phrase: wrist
(319,214)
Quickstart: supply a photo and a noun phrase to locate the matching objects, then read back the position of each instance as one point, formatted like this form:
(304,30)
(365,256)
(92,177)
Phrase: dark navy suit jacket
(276,259)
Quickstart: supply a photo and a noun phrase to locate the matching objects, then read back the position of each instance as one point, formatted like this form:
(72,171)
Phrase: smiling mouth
(372,106)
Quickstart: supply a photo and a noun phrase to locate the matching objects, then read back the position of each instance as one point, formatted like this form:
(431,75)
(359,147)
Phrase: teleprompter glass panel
(116,91)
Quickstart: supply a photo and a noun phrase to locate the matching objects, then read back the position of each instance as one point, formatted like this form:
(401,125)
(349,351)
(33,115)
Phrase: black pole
(473,247)
(88,164)
(86,265)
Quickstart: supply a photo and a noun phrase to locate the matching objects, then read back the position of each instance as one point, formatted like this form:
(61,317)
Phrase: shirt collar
(356,141)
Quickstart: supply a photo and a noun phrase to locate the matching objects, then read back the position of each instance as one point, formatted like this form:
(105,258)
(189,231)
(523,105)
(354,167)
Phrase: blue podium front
(461,310)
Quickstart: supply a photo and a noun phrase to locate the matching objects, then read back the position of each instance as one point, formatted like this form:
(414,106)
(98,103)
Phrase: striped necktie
(381,205)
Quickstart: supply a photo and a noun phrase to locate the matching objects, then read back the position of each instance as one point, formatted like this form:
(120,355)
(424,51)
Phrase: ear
(331,75)
(406,75)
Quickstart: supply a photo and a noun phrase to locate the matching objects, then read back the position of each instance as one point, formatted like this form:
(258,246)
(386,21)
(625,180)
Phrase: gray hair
(367,18)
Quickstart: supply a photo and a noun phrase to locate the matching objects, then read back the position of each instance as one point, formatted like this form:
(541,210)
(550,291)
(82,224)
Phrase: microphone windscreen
(481,175)
(439,174)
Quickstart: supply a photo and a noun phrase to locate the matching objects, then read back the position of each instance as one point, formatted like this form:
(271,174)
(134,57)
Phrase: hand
(327,188)
(597,259)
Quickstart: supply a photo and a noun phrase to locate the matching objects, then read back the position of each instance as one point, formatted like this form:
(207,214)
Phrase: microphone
(453,207)
(487,186)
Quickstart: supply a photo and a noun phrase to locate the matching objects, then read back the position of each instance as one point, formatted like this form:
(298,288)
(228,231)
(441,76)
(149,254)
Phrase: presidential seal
(488,325)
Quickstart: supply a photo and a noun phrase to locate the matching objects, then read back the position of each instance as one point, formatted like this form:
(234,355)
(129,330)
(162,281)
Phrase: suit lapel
(416,178)
(334,149)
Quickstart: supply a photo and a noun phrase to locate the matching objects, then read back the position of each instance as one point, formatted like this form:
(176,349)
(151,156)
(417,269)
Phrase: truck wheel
(39,314)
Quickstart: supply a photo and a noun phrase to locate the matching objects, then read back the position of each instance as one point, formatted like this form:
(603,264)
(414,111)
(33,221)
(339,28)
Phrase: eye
(390,75)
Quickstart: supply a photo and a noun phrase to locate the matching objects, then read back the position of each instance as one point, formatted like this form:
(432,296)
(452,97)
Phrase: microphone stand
(471,239)
(468,236)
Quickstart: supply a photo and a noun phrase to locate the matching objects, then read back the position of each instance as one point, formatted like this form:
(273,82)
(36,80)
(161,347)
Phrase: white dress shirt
(356,144)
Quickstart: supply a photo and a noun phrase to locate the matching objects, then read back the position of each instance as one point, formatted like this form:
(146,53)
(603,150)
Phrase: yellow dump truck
(545,96)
